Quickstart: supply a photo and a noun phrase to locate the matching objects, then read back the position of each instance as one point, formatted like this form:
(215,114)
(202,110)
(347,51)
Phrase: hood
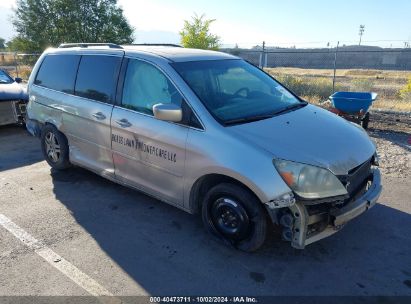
(13,91)
(310,135)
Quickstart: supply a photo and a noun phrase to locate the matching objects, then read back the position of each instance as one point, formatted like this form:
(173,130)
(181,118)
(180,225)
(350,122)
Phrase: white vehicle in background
(13,100)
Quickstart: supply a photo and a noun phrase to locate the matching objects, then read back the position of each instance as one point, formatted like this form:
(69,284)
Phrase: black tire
(365,121)
(50,134)
(244,210)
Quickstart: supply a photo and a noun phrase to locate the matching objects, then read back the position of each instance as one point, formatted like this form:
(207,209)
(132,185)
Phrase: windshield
(5,78)
(235,91)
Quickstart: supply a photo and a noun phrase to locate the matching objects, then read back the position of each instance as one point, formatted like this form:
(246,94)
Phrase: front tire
(55,148)
(236,216)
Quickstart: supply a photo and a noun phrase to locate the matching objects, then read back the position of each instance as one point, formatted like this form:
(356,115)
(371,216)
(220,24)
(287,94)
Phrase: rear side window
(97,77)
(58,72)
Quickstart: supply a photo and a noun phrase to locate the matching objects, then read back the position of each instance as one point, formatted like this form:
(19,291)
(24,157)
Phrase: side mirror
(168,112)
(18,80)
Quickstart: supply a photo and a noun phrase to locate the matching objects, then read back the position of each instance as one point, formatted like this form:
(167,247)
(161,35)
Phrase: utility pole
(361,32)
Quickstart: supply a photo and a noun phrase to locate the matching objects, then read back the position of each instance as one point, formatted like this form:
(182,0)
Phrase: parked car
(206,132)
(13,100)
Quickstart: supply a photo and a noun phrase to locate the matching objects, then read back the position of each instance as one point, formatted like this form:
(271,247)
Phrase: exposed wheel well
(205,183)
(47,123)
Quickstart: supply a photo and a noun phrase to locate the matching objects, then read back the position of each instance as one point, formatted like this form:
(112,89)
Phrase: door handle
(99,115)
(124,123)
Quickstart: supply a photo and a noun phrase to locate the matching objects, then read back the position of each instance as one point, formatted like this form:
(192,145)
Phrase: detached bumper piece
(315,222)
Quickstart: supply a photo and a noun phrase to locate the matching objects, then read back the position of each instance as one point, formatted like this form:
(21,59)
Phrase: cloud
(149,16)
(157,37)
(155,19)
(7,3)
(6,28)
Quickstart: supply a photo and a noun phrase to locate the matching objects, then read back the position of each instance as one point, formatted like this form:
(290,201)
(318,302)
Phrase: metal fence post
(16,64)
(262,56)
(335,65)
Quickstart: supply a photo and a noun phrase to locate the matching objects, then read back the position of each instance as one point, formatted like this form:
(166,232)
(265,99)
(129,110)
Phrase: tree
(43,23)
(196,34)
(20,44)
(2,43)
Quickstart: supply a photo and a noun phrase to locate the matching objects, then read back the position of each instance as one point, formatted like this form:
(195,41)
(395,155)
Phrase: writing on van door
(139,145)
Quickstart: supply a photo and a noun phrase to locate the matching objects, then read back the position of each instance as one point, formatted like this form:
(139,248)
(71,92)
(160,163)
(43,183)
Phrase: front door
(148,153)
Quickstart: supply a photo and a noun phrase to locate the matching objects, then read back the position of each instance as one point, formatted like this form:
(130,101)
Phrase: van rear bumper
(337,218)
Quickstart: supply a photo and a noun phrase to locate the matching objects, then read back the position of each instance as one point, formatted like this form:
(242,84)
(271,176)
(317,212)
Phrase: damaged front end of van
(321,203)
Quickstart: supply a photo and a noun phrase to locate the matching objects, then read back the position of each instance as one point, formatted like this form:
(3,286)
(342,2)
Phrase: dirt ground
(315,85)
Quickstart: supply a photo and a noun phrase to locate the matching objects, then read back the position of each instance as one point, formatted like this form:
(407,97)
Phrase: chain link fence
(18,64)
(314,74)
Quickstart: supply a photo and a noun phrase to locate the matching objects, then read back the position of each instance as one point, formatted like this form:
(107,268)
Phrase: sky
(303,23)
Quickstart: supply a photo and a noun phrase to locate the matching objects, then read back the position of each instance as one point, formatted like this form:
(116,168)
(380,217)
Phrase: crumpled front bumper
(338,217)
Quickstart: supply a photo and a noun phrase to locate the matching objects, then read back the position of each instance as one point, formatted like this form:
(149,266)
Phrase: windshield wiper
(247,119)
(292,107)
(265,116)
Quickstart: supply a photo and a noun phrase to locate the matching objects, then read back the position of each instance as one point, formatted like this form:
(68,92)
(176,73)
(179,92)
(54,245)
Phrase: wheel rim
(53,150)
(230,218)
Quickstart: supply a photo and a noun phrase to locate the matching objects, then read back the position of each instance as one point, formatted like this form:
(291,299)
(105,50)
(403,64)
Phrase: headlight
(309,181)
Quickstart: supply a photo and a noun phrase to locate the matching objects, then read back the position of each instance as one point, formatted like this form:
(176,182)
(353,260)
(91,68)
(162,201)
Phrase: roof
(169,52)
(179,54)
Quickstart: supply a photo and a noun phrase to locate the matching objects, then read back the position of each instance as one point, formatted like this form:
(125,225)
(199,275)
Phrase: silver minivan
(206,132)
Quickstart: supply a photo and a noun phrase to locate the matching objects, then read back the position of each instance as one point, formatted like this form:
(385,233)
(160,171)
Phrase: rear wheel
(55,148)
(236,216)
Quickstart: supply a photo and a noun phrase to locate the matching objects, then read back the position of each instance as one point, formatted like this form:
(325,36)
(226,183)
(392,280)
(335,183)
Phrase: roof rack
(155,44)
(86,45)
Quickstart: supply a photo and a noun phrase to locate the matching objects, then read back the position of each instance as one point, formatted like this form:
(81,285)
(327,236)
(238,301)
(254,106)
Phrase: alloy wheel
(53,150)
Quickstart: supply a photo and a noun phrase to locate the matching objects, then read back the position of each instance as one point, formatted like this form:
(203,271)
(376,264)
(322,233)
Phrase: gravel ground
(392,134)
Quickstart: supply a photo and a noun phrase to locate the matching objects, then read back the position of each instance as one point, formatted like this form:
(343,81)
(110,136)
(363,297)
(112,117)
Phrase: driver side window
(145,86)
